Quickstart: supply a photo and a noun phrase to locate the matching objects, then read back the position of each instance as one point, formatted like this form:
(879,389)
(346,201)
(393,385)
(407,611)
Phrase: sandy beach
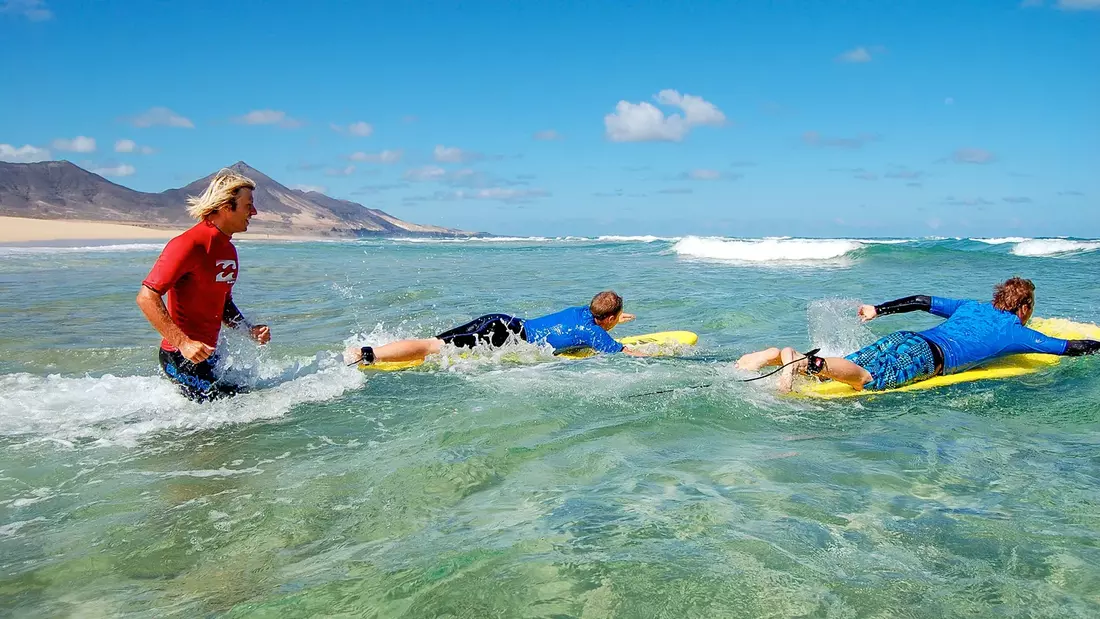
(23,230)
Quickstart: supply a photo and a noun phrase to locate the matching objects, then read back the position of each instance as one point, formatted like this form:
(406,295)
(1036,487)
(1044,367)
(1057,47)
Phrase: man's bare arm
(233,317)
(156,313)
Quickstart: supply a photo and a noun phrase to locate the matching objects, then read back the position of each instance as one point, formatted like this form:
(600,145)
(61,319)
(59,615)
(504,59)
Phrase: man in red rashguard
(197,270)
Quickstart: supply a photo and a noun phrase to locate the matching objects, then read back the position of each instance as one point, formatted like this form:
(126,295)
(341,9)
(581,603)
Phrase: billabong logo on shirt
(228,272)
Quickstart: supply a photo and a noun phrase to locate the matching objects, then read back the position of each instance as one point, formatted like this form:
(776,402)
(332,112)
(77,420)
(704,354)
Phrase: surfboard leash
(806,355)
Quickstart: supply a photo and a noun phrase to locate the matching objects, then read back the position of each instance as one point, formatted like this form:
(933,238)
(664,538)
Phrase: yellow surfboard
(1005,367)
(663,343)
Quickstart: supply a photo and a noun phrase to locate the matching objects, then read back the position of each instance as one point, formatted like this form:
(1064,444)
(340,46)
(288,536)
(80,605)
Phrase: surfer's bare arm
(232,316)
(919,302)
(152,305)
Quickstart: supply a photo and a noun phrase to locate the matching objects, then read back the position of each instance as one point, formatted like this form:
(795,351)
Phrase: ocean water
(517,484)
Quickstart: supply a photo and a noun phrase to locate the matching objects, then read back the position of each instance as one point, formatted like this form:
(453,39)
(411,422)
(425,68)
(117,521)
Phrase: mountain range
(63,190)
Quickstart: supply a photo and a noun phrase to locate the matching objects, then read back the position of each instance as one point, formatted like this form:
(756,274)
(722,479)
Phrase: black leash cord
(807,355)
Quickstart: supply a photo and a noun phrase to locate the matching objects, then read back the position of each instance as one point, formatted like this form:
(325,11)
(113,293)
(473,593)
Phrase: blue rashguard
(570,328)
(975,332)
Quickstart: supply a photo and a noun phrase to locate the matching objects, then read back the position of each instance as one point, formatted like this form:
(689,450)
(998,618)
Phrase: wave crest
(765,250)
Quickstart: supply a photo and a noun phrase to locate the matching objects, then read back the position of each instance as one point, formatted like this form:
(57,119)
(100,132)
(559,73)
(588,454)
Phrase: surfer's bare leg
(786,377)
(836,368)
(402,350)
(758,359)
(844,371)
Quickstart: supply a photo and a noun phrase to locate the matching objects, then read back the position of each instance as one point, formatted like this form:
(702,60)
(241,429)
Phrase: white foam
(1003,240)
(641,239)
(123,409)
(765,250)
(1053,247)
(127,247)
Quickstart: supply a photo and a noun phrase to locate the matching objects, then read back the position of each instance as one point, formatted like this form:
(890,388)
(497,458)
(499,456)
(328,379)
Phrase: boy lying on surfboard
(572,327)
(974,333)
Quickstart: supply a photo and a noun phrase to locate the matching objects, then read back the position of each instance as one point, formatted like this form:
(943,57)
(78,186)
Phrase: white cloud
(345,171)
(451,154)
(309,188)
(130,146)
(118,170)
(34,10)
(386,156)
(645,122)
(1079,5)
(705,175)
(500,194)
(814,138)
(23,154)
(359,129)
(857,55)
(269,117)
(79,144)
(426,173)
(161,117)
(547,135)
(973,155)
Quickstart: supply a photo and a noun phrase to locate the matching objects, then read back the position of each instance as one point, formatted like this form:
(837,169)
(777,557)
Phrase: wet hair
(222,191)
(605,305)
(1014,293)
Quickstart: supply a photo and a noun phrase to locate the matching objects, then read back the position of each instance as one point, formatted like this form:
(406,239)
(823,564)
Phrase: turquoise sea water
(524,485)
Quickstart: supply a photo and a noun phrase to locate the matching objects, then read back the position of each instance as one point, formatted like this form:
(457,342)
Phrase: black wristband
(368,355)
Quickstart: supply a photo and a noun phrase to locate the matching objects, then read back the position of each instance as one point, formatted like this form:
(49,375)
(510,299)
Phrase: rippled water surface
(519,484)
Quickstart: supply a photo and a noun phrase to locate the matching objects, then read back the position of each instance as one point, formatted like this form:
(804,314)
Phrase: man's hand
(195,351)
(624,317)
(260,333)
(867,312)
(634,352)
(353,354)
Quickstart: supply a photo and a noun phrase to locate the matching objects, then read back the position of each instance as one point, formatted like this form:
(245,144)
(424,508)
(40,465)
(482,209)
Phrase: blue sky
(788,118)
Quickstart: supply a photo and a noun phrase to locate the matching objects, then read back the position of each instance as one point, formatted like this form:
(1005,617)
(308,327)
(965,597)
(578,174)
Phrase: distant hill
(62,190)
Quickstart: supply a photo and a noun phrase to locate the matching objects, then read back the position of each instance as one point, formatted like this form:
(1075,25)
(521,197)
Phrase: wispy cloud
(344,171)
(547,135)
(861,54)
(370,190)
(813,138)
(904,173)
(866,175)
(24,154)
(79,144)
(358,129)
(452,154)
(676,190)
(618,193)
(1061,193)
(1017,199)
(130,146)
(425,173)
(161,117)
(707,174)
(953,201)
(386,156)
(34,10)
(498,194)
(978,156)
(645,122)
(122,169)
(1067,5)
(269,117)
(309,188)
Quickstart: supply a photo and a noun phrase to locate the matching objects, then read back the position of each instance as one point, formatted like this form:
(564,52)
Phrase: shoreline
(22,230)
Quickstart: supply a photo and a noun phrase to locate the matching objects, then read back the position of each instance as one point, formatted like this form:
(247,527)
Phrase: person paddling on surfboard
(582,326)
(974,333)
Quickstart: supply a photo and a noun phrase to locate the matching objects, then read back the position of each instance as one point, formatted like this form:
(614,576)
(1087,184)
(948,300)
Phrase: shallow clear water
(520,484)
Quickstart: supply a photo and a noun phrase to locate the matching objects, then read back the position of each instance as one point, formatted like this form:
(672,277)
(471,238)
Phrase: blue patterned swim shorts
(896,360)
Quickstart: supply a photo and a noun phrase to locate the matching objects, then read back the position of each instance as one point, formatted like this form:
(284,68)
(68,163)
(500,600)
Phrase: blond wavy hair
(221,191)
